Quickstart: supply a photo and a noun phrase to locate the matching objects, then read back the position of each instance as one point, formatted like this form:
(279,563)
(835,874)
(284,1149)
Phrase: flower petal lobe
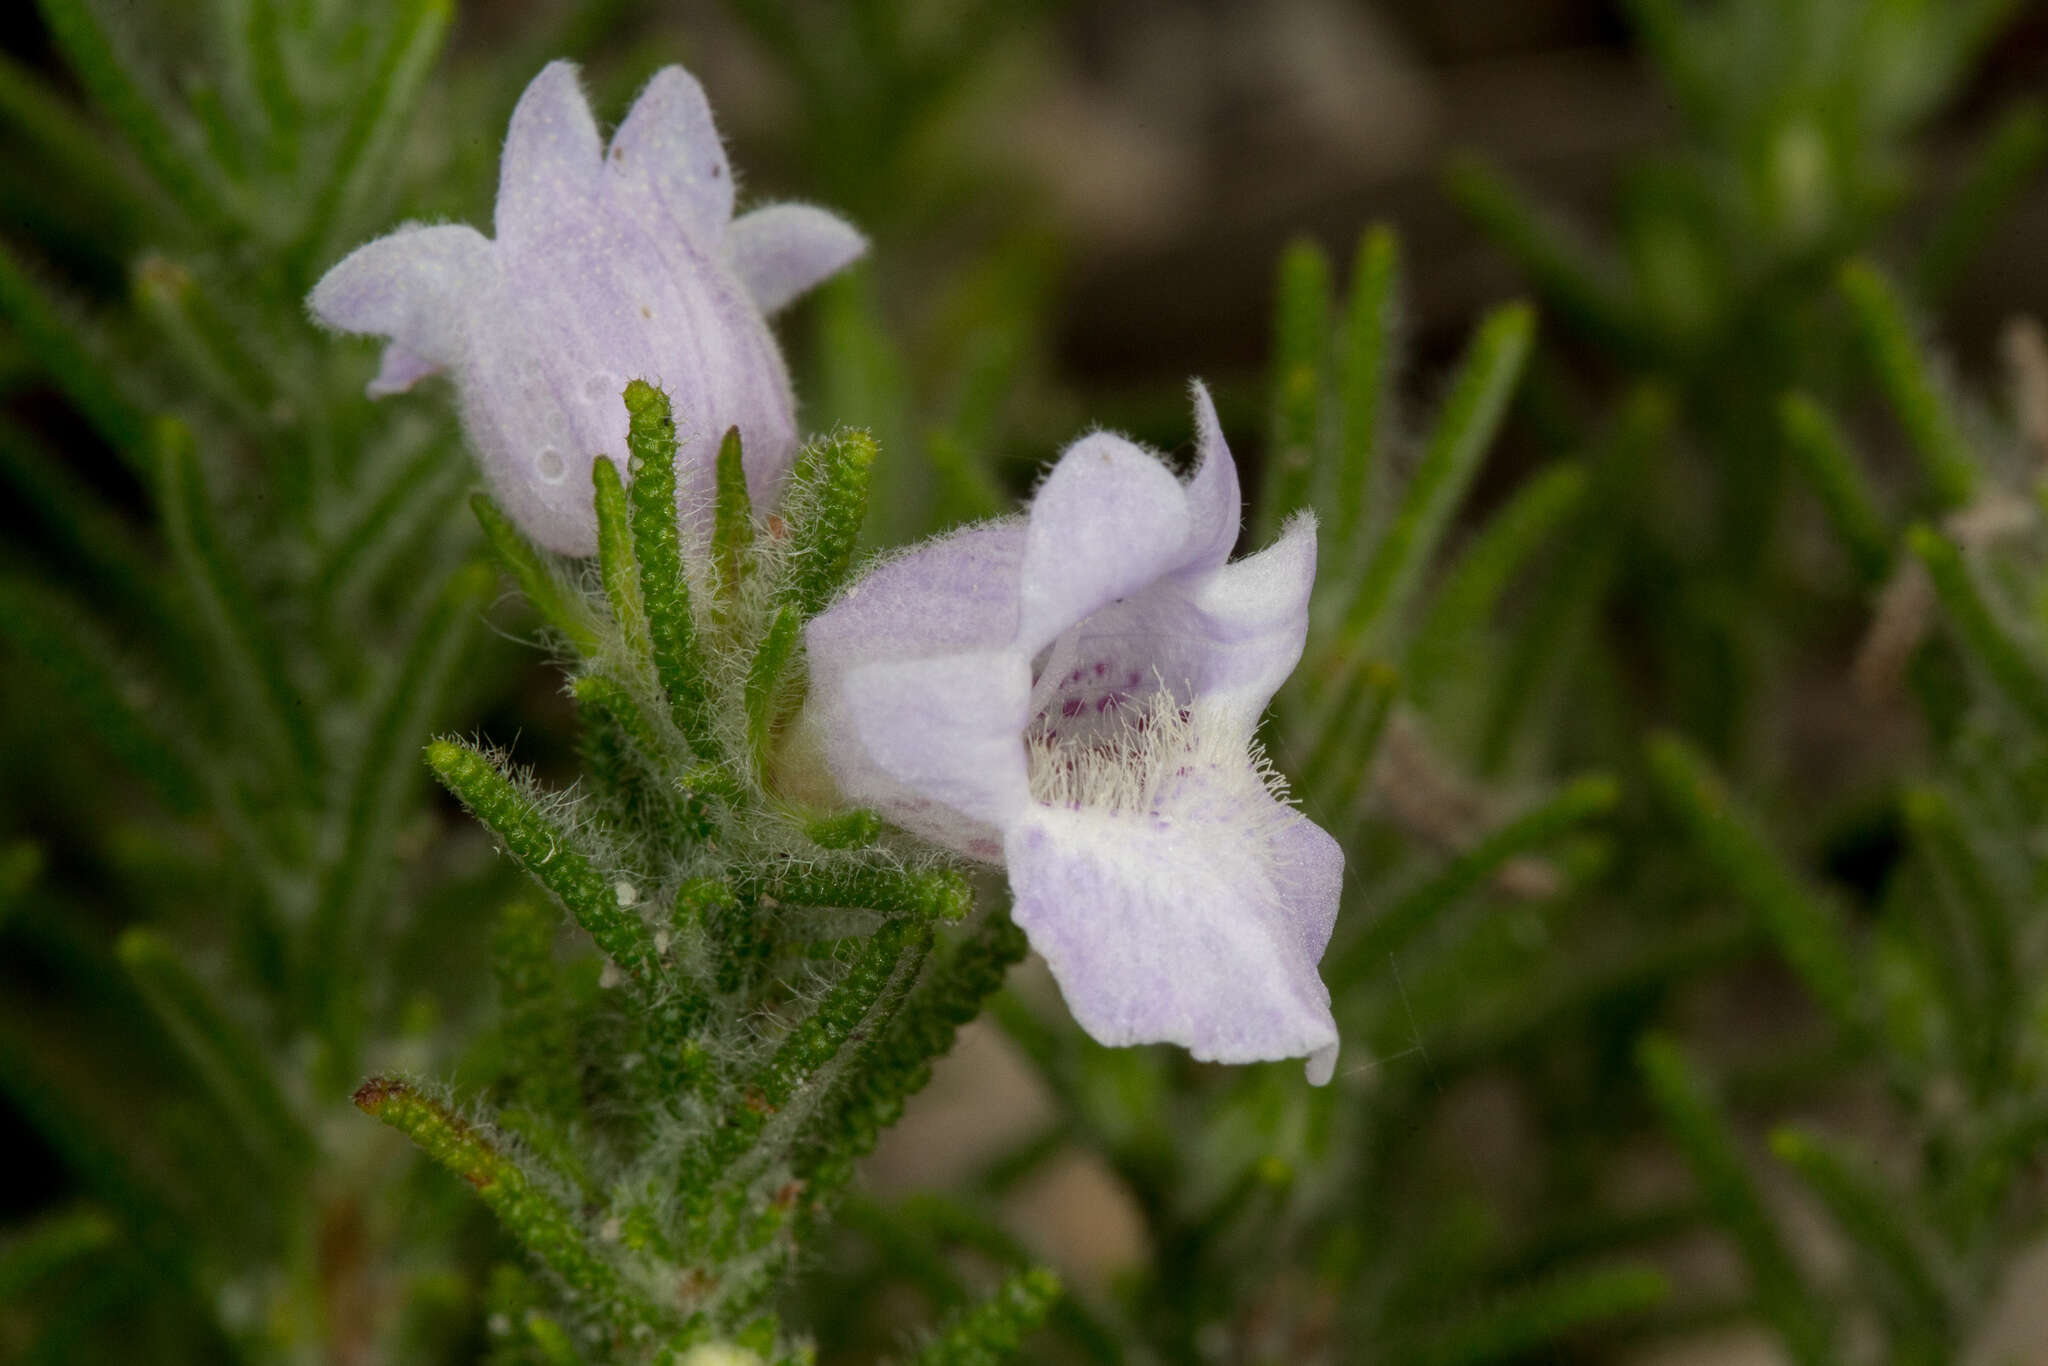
(667,156)
(780,251)
(553,155)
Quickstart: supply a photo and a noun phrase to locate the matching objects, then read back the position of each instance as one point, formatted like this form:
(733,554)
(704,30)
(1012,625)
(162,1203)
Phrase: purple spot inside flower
(1071,707)
(1101,668)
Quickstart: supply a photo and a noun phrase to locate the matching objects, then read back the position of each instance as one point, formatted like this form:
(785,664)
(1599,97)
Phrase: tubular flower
(610,264)
(1073,694)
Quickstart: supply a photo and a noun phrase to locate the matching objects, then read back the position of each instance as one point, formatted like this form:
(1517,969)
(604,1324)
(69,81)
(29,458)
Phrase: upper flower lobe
(1074,694)
(610,263)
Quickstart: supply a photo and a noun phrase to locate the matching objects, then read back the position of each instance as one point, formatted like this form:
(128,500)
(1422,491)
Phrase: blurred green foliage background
(1678,681)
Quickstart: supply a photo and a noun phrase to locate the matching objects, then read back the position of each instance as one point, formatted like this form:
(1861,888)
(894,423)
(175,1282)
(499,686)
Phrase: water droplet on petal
(550,466)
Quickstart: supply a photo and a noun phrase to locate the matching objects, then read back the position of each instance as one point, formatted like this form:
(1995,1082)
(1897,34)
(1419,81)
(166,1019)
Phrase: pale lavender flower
(1073,694)
(610,264)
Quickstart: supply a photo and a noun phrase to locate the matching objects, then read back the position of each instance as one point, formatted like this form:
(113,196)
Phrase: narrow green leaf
(2011,663)
(272,79)
(657,548)
(383,105)
(808,1048)
(1465,427)
(226,1059)
(336,934)
(1871,1212)
(30,108)
(558,605)
(1525,1321)
(1576,995)
(103,546)
(628,763)
(68,350)
(941,894)
(732,537)
(1548,647)
(618,707)
(1365,384)
(546,852)
(246,644)
(827,499)
(1982,938)
(1806,926)
(207,341)
(2000,170)
(948,995)
(710,909)
(95,683)
(421,541)
(854,1062)
(1071,1317)
(1301,379)
(1570,274)
(676,1064)
(1584,799)
(379,523)
(1495,561)
(616,566)
(847,830)
(1908,379)
(1693,1117)
(537,1027)
(992,1332)
(224,136)
(91,1144)
(50,1244)
(710,781)
(1822,449)
(551,1340)
(166,150)
(764,681)
(1345,737)
(546,1230)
